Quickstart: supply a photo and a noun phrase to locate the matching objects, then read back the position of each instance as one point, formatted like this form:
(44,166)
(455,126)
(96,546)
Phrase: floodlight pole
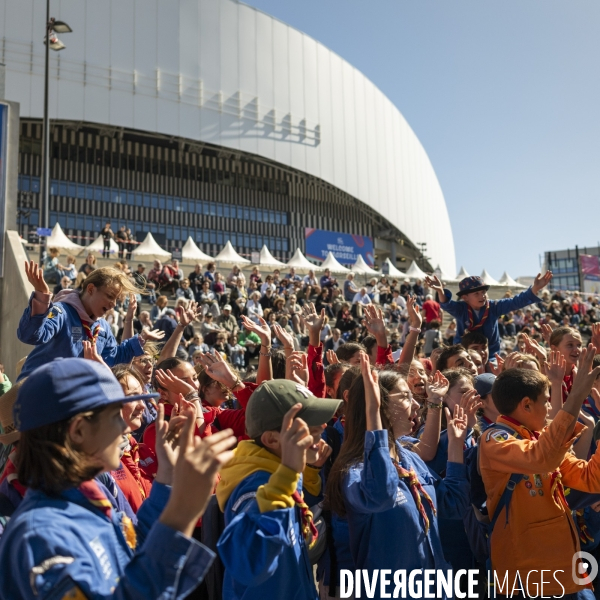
(45,179)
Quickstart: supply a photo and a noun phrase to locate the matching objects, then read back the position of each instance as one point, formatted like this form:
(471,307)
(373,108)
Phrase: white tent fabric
(58,239)
(150,249)
(301,263)
(508,281)
(266,259)
(228,256)
(191,253)
(331,263)
(360,266)
(444,276)
(414,272)
(393,271)
(98,246)
(462,274)
(488,279)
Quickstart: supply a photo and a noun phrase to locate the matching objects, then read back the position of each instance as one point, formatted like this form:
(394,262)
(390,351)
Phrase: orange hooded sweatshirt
(540,533)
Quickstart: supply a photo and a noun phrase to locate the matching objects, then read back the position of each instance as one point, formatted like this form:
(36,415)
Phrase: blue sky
(505,98)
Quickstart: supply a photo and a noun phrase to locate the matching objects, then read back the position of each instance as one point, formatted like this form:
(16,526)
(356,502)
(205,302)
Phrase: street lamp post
(51,41)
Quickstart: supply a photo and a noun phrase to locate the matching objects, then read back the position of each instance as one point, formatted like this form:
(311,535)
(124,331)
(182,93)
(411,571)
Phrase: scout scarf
(417,490)
(471,322)
(93,494)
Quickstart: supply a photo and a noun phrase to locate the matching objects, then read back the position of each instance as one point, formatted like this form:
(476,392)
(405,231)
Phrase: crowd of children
(266,437)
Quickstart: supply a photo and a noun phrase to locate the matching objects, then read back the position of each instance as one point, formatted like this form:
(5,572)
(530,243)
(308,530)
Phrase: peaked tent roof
(392,270)
(301,263)
(443,275)
(360,266)
(228,256)
(150,249)
(266,259)
(98,246)
(414,272)
(462,274)
(191,253)
(58,239)
(508,281)
(331,263)
(488,279)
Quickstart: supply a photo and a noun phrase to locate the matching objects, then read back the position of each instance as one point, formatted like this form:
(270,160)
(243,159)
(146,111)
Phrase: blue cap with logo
(64,388)
(471,284)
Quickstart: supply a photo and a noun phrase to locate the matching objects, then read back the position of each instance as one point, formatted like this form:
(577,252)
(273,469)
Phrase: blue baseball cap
(484,383)
(64,388)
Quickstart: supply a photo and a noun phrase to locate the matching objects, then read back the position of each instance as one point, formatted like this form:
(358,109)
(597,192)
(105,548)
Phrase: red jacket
(135,482)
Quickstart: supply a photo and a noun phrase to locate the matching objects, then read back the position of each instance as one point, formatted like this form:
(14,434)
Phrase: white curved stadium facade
(222,72)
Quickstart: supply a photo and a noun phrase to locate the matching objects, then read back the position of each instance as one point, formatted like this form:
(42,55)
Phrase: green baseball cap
(272,399)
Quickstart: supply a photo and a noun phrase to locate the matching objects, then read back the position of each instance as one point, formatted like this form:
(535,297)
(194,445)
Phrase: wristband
(192,396)
(237,382)
(434,405)
(415,329)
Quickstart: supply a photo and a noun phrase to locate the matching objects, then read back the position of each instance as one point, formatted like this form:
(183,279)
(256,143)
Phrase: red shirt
(432,311)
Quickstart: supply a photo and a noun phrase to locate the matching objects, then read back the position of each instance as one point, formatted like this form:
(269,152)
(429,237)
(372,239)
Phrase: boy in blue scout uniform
(58,329)
(268,524)
(66,540)
(476,312)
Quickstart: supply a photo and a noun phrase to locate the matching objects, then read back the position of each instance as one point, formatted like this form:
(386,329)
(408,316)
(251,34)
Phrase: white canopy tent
(266,259)
(58,239)
(488,279)
(360,266)
(414,272)
(150,250)
(443,276)
(229,257)
(98,246)
(331,263)
(301,263)
(392,270)
(462,274)
(508,281)
(190,253)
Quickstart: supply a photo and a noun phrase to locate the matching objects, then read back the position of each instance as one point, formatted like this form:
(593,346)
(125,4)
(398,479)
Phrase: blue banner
(344,246)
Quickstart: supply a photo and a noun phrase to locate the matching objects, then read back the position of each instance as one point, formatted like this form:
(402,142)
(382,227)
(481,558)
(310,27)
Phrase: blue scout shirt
(386,528)
(264,554)
(497,308)
(65,547)
(59,333)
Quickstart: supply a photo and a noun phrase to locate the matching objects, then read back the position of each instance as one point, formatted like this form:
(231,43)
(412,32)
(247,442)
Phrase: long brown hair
(353,448)
(47,460)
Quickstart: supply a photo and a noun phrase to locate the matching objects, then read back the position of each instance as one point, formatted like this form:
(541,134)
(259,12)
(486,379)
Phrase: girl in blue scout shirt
(58,328)
(390,497)
(66,540)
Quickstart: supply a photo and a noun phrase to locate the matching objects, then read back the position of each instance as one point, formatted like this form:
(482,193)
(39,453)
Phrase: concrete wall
(15,295)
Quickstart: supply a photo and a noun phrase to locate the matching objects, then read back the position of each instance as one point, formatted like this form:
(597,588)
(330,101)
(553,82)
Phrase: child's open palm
(457,425)
(35,275)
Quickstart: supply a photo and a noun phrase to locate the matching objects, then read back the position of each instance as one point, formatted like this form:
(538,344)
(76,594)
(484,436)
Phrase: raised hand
(90,352)
(35,275)
(220,371)
(314,322)
(586,375)
(172,383)
(261,329)
(375,324)
(512,361)
(497,368)
(457,424)
(470,401)
(372,394)
(555,368)
(131,308)
(286,339)
(437,387)
(534,348)
(190,314)
(546,333)
(541,281)
(332,357)
(323,453)
(295,439)
(433,282)
(595,335)
(297,368)
(595,394)
(167,439)
(414,313)
(153,335)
